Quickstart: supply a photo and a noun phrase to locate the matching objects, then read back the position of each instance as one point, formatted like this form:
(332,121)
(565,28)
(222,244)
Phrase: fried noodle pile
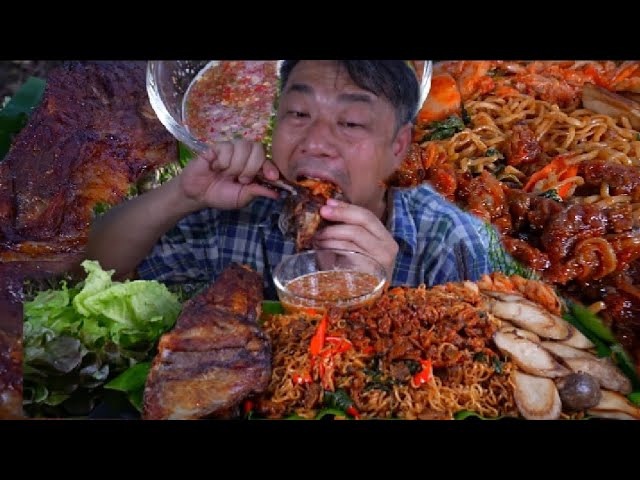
(414,354)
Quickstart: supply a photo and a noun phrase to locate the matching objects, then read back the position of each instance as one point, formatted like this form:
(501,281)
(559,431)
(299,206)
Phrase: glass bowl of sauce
(205,101)
(332,278)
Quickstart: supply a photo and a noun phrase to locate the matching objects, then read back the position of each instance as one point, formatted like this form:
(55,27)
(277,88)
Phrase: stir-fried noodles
(415,353)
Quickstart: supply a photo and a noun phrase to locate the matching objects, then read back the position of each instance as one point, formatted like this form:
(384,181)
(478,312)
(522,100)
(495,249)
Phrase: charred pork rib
(303,209)
(92,136)
(215,356)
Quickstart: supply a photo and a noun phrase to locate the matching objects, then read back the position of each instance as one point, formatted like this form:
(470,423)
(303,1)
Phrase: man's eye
(351,124)
(298,114)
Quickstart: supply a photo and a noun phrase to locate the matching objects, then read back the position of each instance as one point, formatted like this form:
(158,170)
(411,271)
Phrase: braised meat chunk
(216,355)
(303,209)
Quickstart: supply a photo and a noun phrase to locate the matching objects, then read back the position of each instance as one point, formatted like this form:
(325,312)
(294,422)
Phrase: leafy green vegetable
(100,208)
(552,194)
(491,152)
(335,412)
(606,345)
(339,399)
(295,416)
(497,365)
(76,339)
(184,154)
(268,136)
(602,350)
(591,322)
(626,364)
(634,397)
(443,129)
(165,173)
(480,357)
(413,366)
(637,136)
(466,119)
(132,382)
(15,114)
(272,307)
(501,260)
(463,414)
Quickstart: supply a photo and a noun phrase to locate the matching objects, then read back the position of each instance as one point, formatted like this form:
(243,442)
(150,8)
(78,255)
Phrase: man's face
(331,129)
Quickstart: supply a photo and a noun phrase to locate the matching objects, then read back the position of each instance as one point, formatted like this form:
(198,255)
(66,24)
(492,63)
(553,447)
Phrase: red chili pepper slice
(353,412)
(425,375)
(317,342)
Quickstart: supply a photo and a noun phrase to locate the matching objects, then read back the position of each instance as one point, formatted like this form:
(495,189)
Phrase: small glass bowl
(322,279)
(168,82)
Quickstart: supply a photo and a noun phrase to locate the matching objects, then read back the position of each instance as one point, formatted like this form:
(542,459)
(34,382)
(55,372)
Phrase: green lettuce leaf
(77,339)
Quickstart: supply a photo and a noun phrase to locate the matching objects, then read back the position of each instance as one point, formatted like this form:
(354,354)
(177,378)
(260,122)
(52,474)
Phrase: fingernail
(325,210)
(244,180)
(333,202)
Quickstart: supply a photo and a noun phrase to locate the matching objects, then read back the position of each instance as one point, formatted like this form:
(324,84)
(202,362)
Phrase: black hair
(394,80)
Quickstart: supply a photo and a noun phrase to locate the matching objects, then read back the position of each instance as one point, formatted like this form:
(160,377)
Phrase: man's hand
(222,177)
(357,229)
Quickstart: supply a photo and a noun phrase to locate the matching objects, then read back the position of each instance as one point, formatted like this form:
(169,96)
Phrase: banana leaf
(15,114)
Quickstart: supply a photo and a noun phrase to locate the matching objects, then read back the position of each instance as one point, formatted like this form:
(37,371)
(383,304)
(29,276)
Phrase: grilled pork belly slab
(216,355)
(92,136)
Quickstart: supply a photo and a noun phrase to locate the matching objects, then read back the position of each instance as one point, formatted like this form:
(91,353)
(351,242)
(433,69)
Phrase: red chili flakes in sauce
(333,286)
(232,99)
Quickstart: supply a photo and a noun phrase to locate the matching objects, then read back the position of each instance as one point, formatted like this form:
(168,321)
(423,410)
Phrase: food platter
(519,148)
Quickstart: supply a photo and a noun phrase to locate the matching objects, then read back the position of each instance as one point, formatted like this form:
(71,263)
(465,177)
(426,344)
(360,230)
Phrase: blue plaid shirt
(438,242)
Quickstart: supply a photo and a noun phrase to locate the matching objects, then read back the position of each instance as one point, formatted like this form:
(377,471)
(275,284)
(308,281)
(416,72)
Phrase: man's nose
(319,138)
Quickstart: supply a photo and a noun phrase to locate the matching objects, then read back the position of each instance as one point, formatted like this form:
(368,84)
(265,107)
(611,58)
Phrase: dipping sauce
(340,288)
(230,100)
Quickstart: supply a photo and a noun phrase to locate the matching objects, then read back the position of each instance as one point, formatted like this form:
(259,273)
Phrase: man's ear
(401,144)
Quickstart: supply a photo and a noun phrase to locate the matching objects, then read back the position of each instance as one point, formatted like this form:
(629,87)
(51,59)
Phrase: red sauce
(231,99)
(326,289)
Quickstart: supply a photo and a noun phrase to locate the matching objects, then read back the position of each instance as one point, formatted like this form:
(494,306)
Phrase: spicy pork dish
(549,153)
(498,347)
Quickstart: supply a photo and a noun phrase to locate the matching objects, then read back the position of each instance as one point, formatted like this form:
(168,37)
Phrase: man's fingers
(339,244)
(240,158)
(219,156)
(270,171)
(253,190)
(341,212)
(342,231)
(255,161)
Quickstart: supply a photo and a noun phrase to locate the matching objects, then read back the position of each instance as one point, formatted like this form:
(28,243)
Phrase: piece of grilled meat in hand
(216,355)
(302,211)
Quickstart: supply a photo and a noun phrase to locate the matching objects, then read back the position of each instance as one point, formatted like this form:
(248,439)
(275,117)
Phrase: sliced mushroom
(528,315)
(528,355)
(502,296)
(603,370)
(521,333)
(616,406)
(631,96)
(579,391)
(537,398)
(564,351)
(577,339)
(603,101)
